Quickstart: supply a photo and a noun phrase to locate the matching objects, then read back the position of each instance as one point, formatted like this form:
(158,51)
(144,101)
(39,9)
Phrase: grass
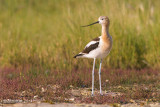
(48,34)
(38,40)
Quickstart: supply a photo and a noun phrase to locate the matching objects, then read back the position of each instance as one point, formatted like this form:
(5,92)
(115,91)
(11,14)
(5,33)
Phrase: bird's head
(103,20)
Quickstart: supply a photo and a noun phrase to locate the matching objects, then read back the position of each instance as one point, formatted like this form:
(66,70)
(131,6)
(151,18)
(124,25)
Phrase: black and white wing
(89,47)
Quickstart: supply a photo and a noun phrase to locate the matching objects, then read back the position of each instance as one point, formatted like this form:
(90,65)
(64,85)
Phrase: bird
(98,48)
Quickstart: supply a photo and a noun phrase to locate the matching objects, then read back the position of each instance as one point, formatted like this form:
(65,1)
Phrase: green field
(47,33)
(38,39)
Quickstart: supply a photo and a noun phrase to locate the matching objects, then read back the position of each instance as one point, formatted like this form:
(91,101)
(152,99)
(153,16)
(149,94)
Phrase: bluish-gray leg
(100,77)
(93,76)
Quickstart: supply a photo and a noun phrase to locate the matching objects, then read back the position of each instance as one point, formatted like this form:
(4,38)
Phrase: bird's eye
(102,19)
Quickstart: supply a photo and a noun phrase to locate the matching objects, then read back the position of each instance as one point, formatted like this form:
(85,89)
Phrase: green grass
(48,33)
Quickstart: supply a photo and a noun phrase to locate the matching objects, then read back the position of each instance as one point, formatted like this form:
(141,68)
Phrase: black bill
(90,24)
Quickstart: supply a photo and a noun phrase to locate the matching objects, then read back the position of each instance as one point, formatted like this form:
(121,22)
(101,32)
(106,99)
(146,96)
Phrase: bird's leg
(93,76)
(100,77)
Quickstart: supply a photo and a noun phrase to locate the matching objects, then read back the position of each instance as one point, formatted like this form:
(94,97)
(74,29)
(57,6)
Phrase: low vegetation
(119,86)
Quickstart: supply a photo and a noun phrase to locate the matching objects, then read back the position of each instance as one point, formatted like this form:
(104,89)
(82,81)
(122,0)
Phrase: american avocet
(98,47)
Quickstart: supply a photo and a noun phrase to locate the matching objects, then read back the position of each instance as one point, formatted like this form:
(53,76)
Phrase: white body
(98,52)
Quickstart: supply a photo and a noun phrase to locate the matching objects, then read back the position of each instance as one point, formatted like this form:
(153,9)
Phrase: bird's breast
(106,44)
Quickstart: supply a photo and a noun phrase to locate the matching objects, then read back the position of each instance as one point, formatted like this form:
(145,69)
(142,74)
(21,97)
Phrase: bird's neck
(105,31)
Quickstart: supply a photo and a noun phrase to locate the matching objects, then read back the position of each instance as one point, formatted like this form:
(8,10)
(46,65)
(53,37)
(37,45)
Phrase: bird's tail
(78,55)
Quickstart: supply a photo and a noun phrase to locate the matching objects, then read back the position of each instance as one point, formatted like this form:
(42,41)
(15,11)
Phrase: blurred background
(47,33)
(38,39)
